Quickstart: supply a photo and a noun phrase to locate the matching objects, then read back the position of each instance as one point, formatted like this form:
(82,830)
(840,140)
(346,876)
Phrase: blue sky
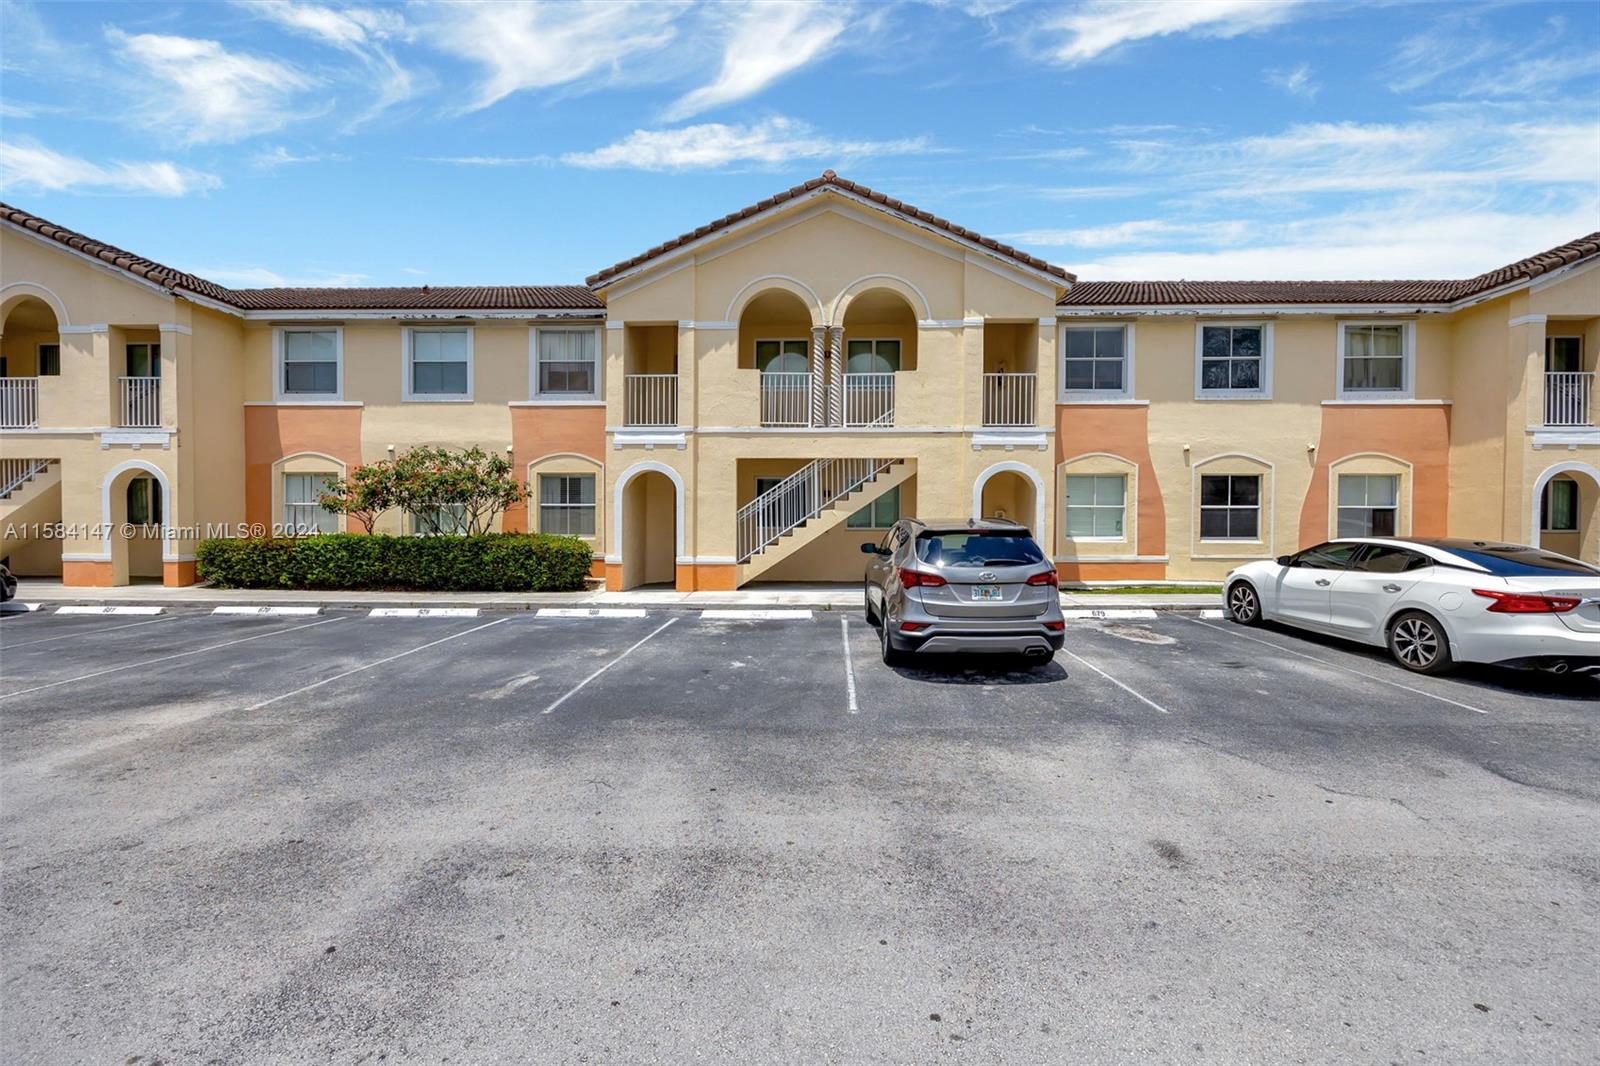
(312,144)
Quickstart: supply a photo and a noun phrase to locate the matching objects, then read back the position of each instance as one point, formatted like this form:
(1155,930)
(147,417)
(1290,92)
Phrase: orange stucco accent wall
(540,431)
(86,574)
(1418,435)
(1123,431)
(272,433)
(179,574)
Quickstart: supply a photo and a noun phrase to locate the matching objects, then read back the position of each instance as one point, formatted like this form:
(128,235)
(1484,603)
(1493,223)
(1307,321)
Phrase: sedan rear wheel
(1244,606)
(1419,644)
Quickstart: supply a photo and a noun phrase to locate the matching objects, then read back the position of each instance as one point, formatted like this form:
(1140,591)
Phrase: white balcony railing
(19,403)
(1567,396)
(1008,399)
(869,399)
(141,402)
(650,400)
(785,399)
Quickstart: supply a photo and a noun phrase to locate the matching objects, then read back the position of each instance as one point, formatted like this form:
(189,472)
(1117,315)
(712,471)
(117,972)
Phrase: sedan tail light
(917,579)
(1048,577)
(1527,602)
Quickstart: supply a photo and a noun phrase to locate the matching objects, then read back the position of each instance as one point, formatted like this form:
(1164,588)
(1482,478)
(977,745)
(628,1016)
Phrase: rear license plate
(986,592)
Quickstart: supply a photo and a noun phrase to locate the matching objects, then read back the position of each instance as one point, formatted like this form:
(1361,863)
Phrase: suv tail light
(1046,578)
(917,579)
(1527,602)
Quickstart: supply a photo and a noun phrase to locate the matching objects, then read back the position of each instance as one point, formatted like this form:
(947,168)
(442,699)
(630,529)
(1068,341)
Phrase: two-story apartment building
(751,400)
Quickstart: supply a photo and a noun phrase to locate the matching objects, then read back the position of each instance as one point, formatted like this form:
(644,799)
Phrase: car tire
(1419,643)
(1244,604)
(866,603)
(892,656)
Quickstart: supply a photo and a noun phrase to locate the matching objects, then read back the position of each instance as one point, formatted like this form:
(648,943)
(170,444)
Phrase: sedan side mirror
(1285,560)
(869,548)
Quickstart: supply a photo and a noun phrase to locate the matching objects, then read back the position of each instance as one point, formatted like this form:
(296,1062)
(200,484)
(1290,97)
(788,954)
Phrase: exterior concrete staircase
(24,481)
(804,506)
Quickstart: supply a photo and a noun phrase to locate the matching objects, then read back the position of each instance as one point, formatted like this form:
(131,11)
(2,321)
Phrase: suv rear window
(1516,560)
(978,549)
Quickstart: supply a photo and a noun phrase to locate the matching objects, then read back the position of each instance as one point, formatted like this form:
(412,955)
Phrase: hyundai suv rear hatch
(983,573)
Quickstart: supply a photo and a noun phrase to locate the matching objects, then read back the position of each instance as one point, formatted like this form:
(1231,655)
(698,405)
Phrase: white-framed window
(879,514)
(1369,505)
(1230,507)
(144,501)
(872,356)
(1558,507)
(1096,361)
(1233,360)
(566,504)
(310,362)
(438,363)
(49,360)
(1375,360)
(790,355)
(566,363)
(303,512)
(1097,506)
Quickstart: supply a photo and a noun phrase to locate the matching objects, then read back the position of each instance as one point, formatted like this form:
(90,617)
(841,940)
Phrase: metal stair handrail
(800,497)
(14,473)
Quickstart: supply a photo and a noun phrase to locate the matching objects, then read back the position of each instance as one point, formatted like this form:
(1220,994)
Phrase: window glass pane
(1245,374)
(1245,489)
(1386,341)
(1214,342)
(1080,343)
(1080,374)
(1247,343)
(1107,374)
(1352,490)
(1383,559)
(49,360)
(1242,523)
(1383,490)
(1080,489)
(1110,490)
(1214,374)
(766,352)
(139,501)
(1108,521)
(1213,522)
(1213,490)
(855,348)
(1108,343)
(310,346)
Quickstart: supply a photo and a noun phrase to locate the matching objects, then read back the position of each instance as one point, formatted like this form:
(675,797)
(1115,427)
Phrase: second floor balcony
(650,400)
(1569,398)
(19,403)
(140,402)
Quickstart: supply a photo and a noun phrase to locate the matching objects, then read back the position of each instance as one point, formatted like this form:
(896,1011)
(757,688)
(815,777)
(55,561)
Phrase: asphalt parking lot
(670,838)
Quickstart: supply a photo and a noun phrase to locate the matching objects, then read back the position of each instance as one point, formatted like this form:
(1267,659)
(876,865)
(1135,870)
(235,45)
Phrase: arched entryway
(879,343)
(30,474)
(1566,511)
(776,341)
(648,531)
(1014,491)
(137,509)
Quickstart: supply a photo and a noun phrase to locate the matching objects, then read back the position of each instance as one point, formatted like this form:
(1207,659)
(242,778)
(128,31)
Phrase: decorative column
(819,376)
(836,375)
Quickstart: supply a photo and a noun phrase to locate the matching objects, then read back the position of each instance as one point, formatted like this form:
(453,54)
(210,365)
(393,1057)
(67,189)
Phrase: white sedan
(1432,603)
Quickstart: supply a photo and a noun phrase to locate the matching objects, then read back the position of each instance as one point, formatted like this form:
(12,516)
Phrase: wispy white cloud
(198,92)
(255,277)
(1092,29)
(522,45)
(765,40)
(279,156)
(1462,56)
(710,145)
(1409,239)
(1134,232)
(361,32)
(1296,81)
(488,160)
(31,166)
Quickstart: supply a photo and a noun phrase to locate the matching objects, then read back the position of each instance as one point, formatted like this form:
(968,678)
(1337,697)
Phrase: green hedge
(491,562)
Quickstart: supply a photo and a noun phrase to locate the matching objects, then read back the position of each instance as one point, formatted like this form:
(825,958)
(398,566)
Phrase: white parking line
(423,612)
(591,612)
(142,663)
(1142,699)
(1110,612)
(1346,669)
(752,616)
(849,667)
(286,611)
(608,666)
(369,666)
(129,609)
(77,633)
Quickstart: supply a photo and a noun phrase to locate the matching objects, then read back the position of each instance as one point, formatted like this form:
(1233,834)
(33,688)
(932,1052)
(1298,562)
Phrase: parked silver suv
(962,586)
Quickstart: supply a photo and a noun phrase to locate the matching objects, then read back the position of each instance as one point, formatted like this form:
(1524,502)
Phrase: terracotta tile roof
(137,265)
(467,298)
(428,297)
(829,178)
(1159,293)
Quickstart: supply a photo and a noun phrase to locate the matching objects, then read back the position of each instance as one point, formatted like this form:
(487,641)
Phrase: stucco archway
(126,541)
(647,524)
(1028,475)
(1587,533)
